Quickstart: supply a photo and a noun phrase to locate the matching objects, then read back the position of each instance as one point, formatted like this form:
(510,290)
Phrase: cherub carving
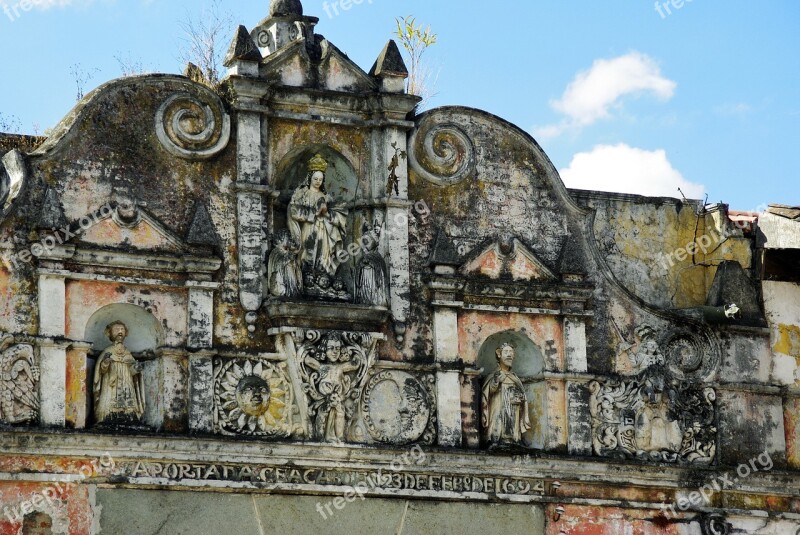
(333,367)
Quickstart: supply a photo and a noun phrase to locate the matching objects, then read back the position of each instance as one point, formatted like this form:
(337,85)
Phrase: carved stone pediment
(124,235)
(127,226)
(507,259)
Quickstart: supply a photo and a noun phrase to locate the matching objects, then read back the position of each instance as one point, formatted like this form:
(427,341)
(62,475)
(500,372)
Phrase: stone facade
(310,308)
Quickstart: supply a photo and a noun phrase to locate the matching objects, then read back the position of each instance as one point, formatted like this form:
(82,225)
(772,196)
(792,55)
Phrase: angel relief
(334,368)
(19,382)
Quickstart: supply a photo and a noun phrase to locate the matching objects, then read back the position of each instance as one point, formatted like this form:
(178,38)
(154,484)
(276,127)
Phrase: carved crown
(317,163)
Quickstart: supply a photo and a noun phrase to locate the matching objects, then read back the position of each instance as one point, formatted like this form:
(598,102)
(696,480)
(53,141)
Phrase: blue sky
(621,97)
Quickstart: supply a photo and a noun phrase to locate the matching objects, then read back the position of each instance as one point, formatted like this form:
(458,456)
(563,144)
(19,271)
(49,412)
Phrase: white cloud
(626,169)
(593,93)
(738,109)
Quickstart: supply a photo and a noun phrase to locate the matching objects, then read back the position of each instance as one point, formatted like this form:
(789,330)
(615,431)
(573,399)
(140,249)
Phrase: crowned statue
(316,223)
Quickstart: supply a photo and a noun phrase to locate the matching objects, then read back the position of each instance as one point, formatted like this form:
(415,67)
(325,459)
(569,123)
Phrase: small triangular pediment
(511,259)
(143,232)
(333,70)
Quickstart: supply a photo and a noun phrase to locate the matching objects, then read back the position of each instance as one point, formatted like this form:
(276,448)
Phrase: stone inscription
(374,479)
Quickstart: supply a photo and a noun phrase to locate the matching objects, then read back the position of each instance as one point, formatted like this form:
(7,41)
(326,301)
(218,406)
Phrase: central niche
(325,243)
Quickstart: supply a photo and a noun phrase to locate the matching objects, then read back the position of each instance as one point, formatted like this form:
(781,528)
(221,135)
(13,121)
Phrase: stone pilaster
(448,383)
(201,317)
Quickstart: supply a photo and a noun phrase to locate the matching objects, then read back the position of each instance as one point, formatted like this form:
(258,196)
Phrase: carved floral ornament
(19,382)
(663,413)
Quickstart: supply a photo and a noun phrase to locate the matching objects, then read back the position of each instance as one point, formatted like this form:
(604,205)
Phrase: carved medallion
(441,153)
(264,39)
(715,524)
(252,397)
(689,355)
(19,382)
(398,408)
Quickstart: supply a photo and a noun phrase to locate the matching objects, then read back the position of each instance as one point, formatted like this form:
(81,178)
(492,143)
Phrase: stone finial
(390,62)
(390,69)
(202,232)
(444,252)
(242,48)
(285,8)
(52,214)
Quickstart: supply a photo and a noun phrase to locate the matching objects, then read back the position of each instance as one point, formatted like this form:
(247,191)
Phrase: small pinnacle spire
(242,48)
(390,62)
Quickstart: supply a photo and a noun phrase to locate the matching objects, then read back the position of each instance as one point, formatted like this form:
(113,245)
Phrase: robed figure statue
(316,224)
(118,383)
(504,406)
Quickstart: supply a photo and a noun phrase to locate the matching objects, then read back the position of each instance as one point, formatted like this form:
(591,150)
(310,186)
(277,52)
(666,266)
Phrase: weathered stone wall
(229,313)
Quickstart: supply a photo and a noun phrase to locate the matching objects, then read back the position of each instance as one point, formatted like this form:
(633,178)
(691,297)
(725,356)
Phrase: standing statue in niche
(504,405)
(317,224)
(118,383)
(283,269)
(371,287)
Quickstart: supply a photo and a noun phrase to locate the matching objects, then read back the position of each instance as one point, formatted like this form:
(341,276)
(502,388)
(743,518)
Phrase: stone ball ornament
(285,8)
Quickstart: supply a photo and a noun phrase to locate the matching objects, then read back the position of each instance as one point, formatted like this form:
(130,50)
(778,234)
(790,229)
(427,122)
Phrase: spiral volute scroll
(193,126)
(441,153)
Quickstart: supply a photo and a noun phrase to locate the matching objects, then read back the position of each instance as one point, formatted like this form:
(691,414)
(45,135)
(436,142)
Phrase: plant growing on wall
(205,42)
(416,40)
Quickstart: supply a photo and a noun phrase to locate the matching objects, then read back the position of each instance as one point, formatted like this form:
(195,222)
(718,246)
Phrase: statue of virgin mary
(316,223)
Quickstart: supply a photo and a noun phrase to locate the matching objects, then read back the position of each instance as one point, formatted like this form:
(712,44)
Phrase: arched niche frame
(341,180)
(529,366)
(342,185)
(144,331)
